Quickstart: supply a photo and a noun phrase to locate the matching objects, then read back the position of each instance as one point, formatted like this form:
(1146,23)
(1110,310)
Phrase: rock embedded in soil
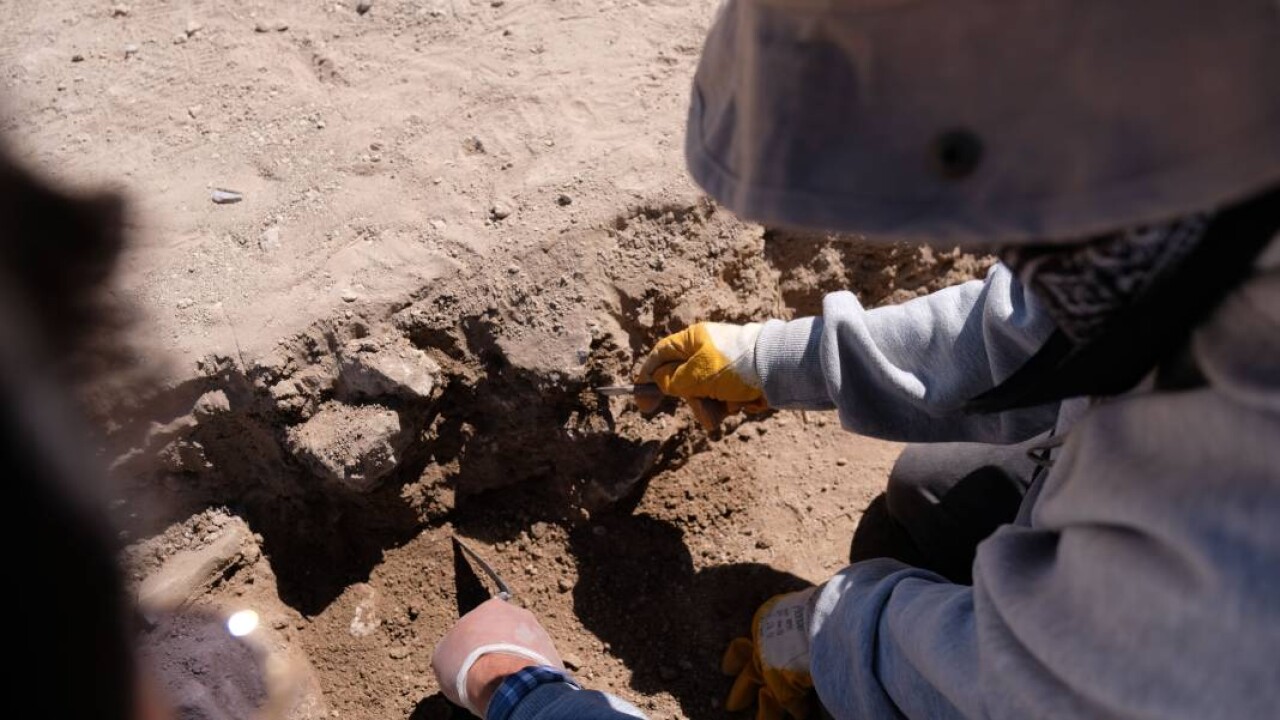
(211,404)
(354,446)
(399,652)
(500,211)
(364,619)
(270,239)
(187,575)
(572,661)
(363,6)
(390,366)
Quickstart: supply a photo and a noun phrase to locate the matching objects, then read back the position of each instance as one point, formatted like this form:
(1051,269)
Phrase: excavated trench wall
(352,436)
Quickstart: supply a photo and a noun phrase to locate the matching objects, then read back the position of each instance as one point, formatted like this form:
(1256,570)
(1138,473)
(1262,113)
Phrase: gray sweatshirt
(1143,577)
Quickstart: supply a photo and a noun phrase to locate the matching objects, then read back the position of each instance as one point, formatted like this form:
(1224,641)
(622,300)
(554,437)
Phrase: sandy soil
(457,217)
(376,146)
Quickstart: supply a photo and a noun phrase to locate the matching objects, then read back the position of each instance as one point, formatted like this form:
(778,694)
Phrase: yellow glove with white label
(711,366)
(772,667)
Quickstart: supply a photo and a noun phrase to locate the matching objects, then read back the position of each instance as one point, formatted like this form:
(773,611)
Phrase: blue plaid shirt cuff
(520,684)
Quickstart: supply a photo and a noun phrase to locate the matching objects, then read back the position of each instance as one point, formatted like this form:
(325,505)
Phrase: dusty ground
(457,218)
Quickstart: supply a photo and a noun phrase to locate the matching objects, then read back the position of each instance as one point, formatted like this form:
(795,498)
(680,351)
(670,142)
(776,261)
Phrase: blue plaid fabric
(518,685)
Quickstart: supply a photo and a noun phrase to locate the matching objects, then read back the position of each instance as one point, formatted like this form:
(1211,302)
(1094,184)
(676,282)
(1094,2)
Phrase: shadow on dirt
(436,707)
(639,592)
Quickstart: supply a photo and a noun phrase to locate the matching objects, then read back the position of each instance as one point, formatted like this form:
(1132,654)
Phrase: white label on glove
(737,343)
(784,632)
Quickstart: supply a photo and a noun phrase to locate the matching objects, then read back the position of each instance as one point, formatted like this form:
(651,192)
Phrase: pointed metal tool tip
(504,591)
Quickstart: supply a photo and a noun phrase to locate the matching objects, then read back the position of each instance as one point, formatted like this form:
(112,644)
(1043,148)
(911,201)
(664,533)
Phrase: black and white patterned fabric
(1085,286)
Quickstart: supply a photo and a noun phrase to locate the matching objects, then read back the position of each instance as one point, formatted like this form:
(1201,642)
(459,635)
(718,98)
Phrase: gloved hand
(773,666)
(489,643)
(711,366)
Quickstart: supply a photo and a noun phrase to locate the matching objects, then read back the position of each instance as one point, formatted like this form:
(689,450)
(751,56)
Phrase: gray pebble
(225,197)
(363,6)
(500,211)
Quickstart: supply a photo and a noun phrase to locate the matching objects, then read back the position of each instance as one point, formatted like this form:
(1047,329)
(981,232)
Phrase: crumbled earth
(451,220)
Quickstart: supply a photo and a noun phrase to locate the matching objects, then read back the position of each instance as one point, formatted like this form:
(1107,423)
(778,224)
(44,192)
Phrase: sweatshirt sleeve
(561,702)
(1147,586)
(903,372)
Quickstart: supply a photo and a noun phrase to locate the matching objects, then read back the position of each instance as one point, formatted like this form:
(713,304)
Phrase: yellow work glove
(711,366)
(772,667)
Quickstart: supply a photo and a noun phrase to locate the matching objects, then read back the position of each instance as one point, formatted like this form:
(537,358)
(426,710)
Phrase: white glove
(489,643)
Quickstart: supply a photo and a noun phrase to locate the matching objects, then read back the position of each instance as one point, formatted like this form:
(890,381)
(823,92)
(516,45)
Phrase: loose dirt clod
(352,446)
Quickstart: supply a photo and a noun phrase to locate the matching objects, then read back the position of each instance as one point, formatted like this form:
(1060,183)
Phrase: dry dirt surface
(454,219)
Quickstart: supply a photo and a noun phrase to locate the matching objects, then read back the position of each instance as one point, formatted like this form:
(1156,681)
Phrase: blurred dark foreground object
(72,647)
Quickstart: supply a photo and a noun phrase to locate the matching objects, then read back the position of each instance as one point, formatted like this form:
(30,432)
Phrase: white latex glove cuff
(460,682)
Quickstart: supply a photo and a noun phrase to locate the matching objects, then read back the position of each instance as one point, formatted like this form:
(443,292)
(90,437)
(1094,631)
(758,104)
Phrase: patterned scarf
(1125,303)
(1084,286)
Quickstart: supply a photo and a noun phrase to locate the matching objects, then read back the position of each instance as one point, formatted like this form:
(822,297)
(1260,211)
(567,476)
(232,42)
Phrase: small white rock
(270,239)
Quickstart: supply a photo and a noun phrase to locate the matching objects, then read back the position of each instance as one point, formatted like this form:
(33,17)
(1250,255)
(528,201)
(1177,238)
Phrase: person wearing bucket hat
(1085,525)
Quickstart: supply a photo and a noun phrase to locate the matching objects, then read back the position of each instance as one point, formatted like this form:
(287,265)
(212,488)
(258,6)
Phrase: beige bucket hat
(986,121)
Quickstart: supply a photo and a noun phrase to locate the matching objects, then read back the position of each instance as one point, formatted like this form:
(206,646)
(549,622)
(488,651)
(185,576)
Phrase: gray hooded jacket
(1143,577)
